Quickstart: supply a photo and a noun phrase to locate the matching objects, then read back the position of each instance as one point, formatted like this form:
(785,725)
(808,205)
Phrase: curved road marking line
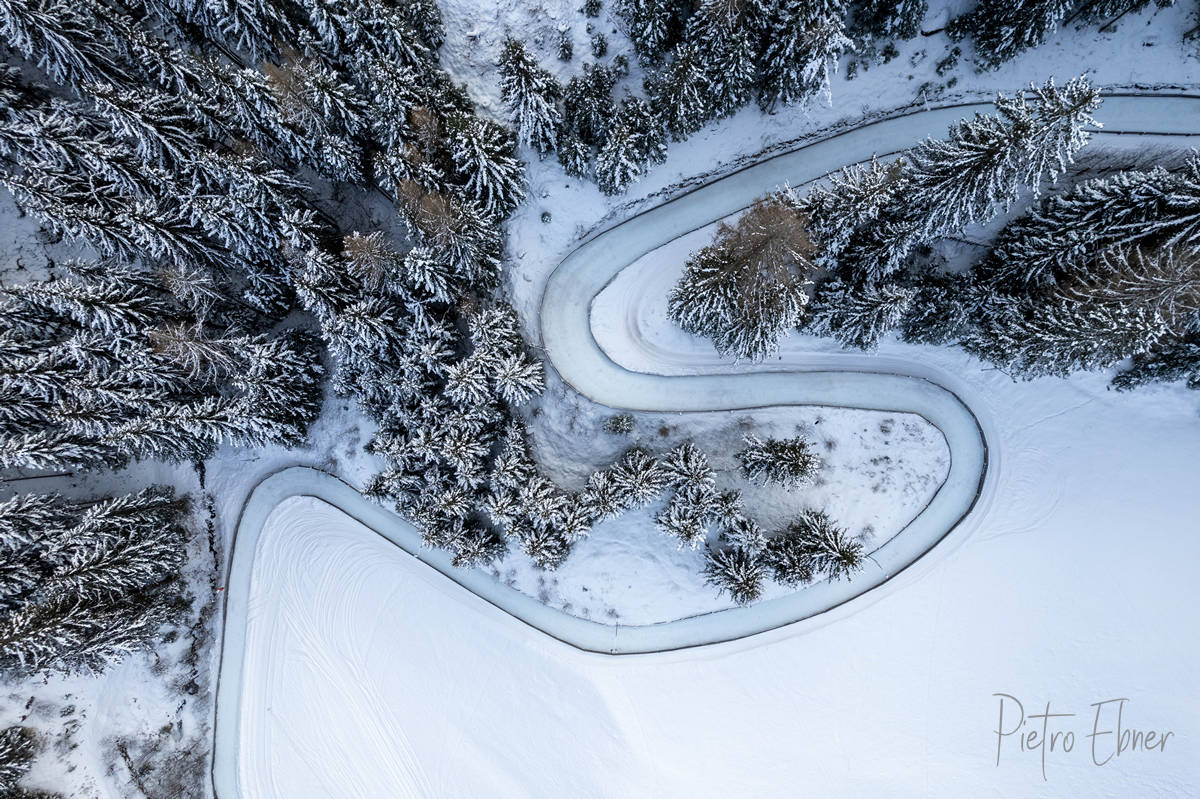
(577,357)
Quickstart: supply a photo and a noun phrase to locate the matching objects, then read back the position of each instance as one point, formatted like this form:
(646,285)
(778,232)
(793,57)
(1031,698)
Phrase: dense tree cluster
(704,60)
(83,583)
(1104,271)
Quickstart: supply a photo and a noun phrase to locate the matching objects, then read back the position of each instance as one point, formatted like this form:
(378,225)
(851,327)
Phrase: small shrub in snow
(789,462)
(620,425)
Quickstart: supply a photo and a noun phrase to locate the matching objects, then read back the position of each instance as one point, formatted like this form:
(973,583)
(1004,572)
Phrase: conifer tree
(653,26)
(859,316)
(678,92)
(1001,30)
(810,546)
(107,580)
(617,164)
(588,106)
(574,155)
(724,32)
(486,164)
(789,462)
(889,19)
(646,131)
(736,572)
(531,94)
(750,286)
(802,42)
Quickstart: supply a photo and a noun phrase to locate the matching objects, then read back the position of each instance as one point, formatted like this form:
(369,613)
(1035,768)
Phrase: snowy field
(365,669)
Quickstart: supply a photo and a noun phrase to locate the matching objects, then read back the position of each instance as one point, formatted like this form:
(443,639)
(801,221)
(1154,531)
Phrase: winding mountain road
(887,384)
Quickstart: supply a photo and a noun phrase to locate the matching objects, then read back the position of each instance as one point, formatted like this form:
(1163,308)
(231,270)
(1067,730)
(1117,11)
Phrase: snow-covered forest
(258,226)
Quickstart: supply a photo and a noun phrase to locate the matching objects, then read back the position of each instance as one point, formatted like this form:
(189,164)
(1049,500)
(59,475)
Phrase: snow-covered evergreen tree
(653,25)
(724,31)
(750,287)
(889,19)
(736,572)
(486,164)
(639,478)
(107,580)
(618,163)
(789,462)
(802,41)
(859,316)
(679,92)
(588,105)
(811,546)
(1001,30)
(531,94)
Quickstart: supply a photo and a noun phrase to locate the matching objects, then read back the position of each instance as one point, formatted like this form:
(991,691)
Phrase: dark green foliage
(588,105)
(100,579)
(789,462)
(888,19)
(736,572)
(1002,29)
(1175,360)
(811,546)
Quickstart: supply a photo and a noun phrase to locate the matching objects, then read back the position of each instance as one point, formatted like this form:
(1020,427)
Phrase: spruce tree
(588,106)
(736,572)
(654,26)
(679,92)
(802,42)
(531,94)
(107,580)
(723,30)
(789,462)
(889,19)
(1002,30)
(813,545)
(617,164)
(859,316)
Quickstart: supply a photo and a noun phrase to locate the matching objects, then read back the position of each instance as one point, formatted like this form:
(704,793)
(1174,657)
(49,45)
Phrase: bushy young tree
(750,287)
(811,546)
(531,94)
(105,579)
(736,572)
(639,478)
(789,462)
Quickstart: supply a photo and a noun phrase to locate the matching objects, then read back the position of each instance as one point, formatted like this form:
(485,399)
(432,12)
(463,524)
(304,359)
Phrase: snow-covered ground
(369,674)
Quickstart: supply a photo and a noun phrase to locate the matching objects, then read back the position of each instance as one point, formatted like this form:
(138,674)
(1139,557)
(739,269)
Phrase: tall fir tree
(531,94)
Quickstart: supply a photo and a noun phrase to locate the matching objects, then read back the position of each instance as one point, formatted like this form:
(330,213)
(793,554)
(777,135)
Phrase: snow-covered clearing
(369,674)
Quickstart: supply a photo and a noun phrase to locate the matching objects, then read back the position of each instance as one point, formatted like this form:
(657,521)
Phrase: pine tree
(859,316)
(1002,30)
(108,581)
(531,94)
(853,200)
(686,465)
(678,92)
(802,42)
(736,572)
(1174,360)
(748,288)
(789,462)
(810,546)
